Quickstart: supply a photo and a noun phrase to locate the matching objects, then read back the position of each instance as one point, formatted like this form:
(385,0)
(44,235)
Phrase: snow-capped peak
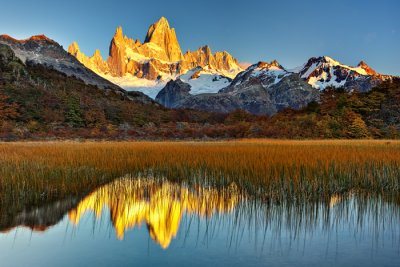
(321,72)
(204,80)
(367,68)
(268,73)
(265,66)
(325,62)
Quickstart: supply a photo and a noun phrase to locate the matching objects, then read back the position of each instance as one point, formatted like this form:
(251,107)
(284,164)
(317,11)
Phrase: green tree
(73,114)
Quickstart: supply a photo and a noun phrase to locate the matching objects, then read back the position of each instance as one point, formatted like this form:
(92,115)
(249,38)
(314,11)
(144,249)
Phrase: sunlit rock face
(221,61)
(324,72)
(159,205)
(40,50)
(117,54)
(164,37)
(159,58)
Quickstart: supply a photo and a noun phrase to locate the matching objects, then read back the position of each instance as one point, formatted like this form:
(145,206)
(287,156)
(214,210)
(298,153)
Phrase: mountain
(44,51)
(322,72)
(37,101)
(159,58)
(164,37)
(40,102)
(221,62)
(264,88)
(204,80)
(267,88)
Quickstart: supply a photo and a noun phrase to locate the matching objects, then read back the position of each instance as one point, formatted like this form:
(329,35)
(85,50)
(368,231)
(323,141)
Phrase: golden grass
(32,172)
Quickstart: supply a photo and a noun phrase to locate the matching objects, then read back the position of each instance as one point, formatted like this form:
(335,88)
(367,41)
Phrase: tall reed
(36,172)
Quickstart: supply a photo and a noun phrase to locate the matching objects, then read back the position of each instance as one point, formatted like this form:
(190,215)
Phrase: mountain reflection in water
(198,222)
(159,205)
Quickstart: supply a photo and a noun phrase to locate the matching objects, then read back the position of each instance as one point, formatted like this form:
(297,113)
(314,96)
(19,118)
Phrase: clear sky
(289,31)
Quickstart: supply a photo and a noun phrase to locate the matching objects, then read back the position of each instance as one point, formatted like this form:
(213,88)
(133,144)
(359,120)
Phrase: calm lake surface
(144,222)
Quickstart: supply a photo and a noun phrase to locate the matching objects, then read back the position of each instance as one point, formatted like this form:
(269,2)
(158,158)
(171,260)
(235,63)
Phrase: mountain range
(47,91)
(155,61)
(216,82)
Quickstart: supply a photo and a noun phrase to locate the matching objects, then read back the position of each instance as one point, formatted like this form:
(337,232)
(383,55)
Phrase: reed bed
(35,172)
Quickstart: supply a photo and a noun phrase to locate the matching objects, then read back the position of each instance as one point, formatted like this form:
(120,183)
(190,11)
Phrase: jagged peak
(162,22)
(206,49)
(275,63)
(73,48)
(162,35)
(74,45)
(40,37)
(97,54)
(161,25)
(362,67)
(367,68)
(225,53)
(119,34)
(362,64)
(324,59)
(266,65)
(262,64)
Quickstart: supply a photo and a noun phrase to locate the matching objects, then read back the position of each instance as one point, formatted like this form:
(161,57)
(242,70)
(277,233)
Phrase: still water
(144,222)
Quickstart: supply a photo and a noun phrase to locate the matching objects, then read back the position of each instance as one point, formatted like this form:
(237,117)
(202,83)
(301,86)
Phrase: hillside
(39,102)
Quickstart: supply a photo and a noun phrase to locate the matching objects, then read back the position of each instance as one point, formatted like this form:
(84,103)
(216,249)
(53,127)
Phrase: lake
(246,203)
(145,222)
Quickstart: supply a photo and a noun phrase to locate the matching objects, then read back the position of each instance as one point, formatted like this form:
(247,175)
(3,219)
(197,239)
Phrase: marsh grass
(32,173)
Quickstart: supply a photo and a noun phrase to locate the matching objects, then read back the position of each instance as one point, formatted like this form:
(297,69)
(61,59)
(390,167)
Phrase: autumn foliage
(39,103)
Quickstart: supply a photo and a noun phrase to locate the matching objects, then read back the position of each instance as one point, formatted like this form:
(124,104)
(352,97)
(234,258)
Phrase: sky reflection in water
(146,222)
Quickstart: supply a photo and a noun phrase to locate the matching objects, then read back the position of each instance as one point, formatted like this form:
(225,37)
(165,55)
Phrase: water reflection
(200,222)
(159,205)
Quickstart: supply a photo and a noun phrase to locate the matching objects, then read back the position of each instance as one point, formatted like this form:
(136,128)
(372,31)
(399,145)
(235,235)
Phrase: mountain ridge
(41,50)
(267,88)
(158,58)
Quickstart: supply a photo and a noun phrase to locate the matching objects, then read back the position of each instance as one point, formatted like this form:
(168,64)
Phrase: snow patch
(208,81)
(132,83)
(322,81)
(131,55)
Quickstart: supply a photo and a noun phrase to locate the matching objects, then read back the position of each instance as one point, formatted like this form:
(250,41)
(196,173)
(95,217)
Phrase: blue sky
(289,31)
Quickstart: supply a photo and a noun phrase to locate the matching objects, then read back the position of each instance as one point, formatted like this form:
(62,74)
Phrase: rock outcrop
(221,61)
(323,72)
(174,92)
(164,37)
(44,51)
(266,88)
(158,58)
(117,58)
(263,89)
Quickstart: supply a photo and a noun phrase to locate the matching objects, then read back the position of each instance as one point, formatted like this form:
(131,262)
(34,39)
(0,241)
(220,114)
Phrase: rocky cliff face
(263,89)
(322,72)
(94,62)
(44,51)
(267,88)
(173,93)
(158,58)
(116,60)
(220,61)
(164,37)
